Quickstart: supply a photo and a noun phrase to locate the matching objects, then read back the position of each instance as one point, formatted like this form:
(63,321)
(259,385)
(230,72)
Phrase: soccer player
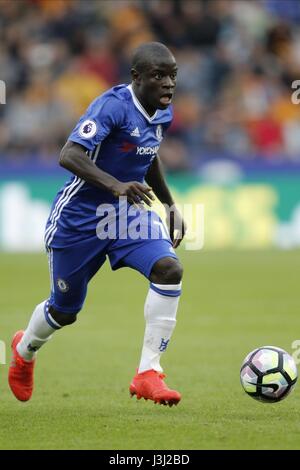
(113,153)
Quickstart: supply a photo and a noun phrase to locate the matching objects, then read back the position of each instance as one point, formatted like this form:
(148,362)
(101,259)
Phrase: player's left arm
(156,180)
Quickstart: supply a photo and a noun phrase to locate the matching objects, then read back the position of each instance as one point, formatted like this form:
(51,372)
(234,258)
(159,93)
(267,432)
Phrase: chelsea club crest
(159,132)
(62,285)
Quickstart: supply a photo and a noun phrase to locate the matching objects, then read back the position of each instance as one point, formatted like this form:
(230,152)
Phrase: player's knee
(63,319)
(167,271)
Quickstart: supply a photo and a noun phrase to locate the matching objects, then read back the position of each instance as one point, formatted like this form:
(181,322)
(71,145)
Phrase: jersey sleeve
(100,119)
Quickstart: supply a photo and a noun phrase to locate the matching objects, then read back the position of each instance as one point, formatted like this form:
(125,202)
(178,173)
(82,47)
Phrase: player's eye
(173,76)
(158,76)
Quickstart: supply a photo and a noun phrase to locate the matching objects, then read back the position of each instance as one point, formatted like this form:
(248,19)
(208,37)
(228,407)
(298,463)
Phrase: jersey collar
(140,107)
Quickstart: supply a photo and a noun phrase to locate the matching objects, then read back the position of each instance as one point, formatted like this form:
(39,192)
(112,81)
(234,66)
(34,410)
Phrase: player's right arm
(104,115)
(73,157)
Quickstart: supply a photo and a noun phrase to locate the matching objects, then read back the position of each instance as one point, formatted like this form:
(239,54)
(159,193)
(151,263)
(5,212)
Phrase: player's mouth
(166,99)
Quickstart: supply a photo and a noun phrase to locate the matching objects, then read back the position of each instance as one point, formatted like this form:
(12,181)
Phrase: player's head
(154,73)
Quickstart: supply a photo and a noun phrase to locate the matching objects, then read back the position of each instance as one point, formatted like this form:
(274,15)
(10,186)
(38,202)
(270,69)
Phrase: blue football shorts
(72,266)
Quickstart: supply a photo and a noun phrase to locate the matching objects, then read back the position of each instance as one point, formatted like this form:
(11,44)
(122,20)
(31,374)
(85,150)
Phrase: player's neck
(149,109)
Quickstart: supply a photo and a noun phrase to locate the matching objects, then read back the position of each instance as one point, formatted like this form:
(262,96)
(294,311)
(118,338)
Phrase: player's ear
(135,75)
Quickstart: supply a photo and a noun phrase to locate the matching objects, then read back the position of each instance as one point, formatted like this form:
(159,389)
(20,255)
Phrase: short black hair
(149,53)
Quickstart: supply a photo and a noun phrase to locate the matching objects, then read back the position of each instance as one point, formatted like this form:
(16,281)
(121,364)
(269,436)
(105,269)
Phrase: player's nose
(169,83)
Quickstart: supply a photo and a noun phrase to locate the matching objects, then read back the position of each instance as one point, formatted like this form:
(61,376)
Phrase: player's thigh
(146,241)
(145,255)
(71,269)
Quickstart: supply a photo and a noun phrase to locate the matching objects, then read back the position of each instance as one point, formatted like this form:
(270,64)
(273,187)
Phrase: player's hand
(176,225)
(134,191)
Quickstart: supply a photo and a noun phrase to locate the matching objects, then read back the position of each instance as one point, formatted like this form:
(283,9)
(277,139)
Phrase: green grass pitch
(232,303)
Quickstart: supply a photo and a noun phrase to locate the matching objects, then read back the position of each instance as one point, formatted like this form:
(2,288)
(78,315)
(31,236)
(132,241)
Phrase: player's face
(156,84)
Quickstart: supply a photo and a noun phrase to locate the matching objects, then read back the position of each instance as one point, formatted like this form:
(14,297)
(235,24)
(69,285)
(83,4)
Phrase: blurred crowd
(237,62)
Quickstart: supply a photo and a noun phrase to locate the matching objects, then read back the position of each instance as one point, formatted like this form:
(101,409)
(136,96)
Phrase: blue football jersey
(122,140)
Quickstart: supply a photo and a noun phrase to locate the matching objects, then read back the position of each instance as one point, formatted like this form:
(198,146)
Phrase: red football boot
(150,385)
(20,375)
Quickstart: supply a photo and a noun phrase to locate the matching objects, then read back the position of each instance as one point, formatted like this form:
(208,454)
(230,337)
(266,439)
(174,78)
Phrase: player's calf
(160,315)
